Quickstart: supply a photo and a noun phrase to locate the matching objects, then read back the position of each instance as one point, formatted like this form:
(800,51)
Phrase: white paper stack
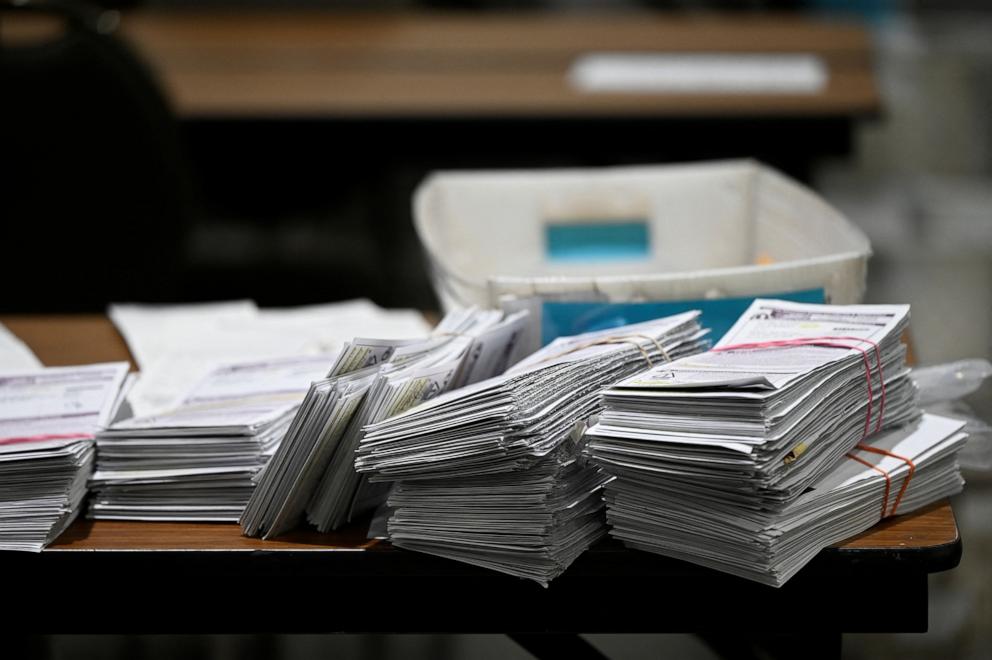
(725,458)
(510,422)
(758,425)
(372,379)
(196,462)
(486,473)
(47,421)
(771,547)
(531,523)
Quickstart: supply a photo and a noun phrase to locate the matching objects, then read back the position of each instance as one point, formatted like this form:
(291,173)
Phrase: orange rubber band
(905,483)
(888,479)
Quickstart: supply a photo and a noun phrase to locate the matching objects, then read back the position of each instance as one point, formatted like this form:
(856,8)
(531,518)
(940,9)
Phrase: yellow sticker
(796,452)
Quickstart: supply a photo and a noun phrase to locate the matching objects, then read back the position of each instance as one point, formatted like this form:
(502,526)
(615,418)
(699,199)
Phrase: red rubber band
(42,438)
(830,341)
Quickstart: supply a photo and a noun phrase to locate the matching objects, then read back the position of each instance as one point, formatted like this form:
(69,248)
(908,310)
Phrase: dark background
(121,200)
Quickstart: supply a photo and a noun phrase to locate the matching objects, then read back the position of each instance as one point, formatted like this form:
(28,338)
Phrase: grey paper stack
(48,418)
(752,424)
(780,398)
(487,474)
(771,547)
(532,523)
(197,461)
(313,471)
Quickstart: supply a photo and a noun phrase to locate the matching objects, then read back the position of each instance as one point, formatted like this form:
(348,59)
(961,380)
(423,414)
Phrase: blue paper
(591,242)
(571,318)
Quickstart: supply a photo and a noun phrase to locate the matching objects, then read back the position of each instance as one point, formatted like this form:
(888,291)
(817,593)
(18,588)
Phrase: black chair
(96,196)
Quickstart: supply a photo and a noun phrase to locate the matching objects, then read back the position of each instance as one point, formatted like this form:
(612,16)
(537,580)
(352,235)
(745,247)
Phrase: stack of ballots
(748,427)
(896,472)
(196,461)
(313,471)
(48,418)
(487,474)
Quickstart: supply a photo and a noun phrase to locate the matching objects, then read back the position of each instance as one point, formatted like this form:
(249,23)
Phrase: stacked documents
(751,425)
(486,473)
(372,379)
(510,422)
(531,523)
(786,392)
(900,471)
(47,421)
(196,462)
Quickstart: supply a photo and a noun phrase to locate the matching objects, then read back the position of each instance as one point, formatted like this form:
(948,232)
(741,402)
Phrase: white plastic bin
(708,231)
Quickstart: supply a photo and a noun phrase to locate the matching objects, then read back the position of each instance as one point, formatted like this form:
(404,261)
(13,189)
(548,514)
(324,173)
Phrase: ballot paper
(786,392)
(177,345)
(197,461)
(48,418)
(371,380)
(490,474)
(15,354)
(866,485)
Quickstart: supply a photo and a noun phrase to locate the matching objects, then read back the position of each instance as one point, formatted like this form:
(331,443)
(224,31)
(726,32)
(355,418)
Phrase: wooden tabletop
(378,64)
(78,339)
(132,535)
(931,527)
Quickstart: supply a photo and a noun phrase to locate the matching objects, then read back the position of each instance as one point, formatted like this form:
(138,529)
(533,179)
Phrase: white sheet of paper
(177,345)
(152,331)
(15,354)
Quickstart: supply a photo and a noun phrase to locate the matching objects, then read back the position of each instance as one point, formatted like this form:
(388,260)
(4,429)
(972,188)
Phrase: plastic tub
(718,231)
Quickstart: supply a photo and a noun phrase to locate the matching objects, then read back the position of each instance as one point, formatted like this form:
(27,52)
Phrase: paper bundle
(749,427)
(486,473)
(771,547)
(313,471)
(786,392)
(196,461)
(531,523)
(47,421)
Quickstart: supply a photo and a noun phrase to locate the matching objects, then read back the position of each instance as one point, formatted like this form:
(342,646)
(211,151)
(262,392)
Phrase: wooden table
(490,89)
(131,573)
(314,63)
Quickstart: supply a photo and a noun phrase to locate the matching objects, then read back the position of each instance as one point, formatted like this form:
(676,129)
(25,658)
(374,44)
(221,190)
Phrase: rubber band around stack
(831,342)
(616,339)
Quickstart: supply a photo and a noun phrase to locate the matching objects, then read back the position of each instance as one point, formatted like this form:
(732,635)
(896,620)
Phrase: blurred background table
(495,65)
(282,147)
